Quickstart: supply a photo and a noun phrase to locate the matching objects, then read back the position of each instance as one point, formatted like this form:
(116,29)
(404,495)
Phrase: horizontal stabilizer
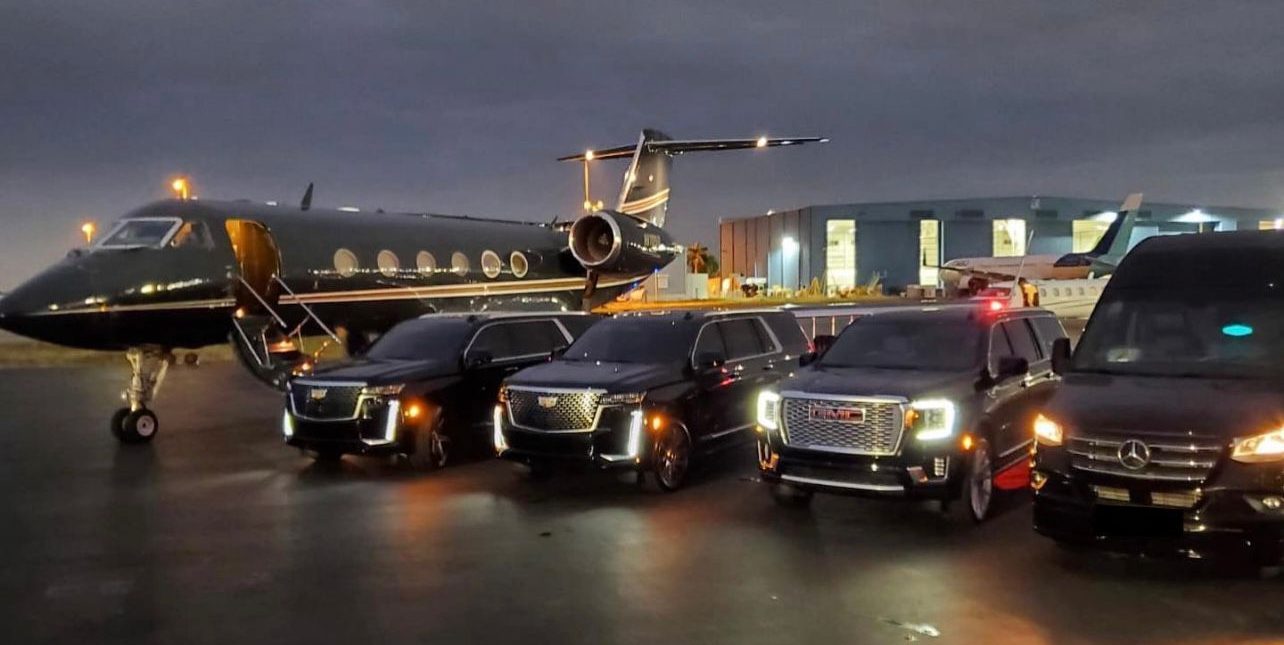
(692,145)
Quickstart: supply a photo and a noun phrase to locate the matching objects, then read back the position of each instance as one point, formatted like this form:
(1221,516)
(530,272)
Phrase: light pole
(88,229)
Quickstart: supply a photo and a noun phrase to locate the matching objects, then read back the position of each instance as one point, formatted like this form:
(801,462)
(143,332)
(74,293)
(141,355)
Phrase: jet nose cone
(32,309)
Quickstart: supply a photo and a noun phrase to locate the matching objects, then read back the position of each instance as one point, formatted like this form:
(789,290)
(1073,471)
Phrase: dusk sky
(462,107)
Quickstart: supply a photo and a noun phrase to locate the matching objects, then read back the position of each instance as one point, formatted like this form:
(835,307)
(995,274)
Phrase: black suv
(1167,433)
(423,384)
(930,403)
(647,392)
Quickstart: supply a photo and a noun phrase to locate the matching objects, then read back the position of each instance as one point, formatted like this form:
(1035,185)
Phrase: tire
(118,424)
(327,455)
(431,448)
(977,499)
(791,497)
(672,459)
(139,426)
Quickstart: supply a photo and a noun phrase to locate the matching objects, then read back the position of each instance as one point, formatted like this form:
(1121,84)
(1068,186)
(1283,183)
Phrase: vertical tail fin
(1114,243)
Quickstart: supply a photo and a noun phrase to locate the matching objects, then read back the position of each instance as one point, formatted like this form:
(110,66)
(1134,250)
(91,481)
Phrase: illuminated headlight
(625,398)
(635,434)
(932,419)
(769,409)
(1259,449)
(383,390)
(1048,432)
(497,418)
(287,424)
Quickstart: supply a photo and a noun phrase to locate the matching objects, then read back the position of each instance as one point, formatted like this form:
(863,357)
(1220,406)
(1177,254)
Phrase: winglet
(307,198)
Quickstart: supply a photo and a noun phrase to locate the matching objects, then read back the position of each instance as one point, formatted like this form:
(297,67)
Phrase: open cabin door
(260,336)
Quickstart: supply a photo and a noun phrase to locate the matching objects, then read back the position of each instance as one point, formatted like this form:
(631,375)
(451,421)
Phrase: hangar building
(905,242)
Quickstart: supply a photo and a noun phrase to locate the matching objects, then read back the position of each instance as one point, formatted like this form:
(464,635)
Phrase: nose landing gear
(137,424)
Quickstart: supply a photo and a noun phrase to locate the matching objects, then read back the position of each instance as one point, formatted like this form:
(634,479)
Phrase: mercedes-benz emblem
(1133,454)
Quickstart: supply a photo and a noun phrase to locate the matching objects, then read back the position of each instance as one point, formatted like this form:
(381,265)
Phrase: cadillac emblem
(317,393)
(547,402)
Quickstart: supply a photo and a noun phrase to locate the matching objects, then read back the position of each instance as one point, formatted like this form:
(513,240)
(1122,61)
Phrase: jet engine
(613,243)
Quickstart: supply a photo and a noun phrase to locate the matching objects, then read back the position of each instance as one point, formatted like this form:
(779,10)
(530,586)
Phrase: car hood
(1167,406)
(385,372)
(854,381)
(613,377)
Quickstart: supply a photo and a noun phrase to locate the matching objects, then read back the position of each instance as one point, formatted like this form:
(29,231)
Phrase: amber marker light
(657,422)
(414,411)
(88,229)
(181,187)
(968,442)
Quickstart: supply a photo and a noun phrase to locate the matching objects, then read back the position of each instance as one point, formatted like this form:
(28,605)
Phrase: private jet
(189,273)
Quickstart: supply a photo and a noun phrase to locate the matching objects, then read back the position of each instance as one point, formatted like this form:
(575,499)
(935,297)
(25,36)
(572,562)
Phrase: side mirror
(822,343)
(709,360)
(1010,366)
(479,358)
(807,359)
(558,352)
(1061,355)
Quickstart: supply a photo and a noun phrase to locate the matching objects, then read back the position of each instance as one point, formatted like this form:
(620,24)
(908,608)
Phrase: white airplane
(1065,298)
(976,273)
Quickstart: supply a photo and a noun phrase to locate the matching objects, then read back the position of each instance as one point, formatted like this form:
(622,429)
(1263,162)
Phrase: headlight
(287,424)
(624,398)
(769,409)
(932,419)
(1259,449)
(383,390)
(1048,432)
(497,418)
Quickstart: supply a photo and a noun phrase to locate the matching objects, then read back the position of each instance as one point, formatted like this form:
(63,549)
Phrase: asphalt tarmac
(217,533)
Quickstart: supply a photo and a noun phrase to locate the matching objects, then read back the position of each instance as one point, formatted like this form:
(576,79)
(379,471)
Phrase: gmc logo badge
(833,413)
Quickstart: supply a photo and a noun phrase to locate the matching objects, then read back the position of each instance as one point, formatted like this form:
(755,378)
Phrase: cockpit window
(144,232)
(192,234)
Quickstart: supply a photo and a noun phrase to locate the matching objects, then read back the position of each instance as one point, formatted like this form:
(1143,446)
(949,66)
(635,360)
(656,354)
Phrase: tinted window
(1181,331)
(788,331)
(1048,329)
(422,339)
(743,338)
(139,232)
(577,325)
(494,340)
(1022,339)
(635,340)
(999,346)
(534,337)
(907,343)
(711,342)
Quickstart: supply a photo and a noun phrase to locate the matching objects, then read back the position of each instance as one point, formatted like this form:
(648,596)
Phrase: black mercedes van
(648,392)
(427,384)
(1167,433)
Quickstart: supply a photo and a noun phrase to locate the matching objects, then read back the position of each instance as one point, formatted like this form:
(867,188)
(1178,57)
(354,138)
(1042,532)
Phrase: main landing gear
(137,424)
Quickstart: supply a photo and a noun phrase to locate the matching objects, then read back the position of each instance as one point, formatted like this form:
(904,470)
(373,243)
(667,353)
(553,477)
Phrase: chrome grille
(1172,459)
(876,431)
(325,402)
(553,410)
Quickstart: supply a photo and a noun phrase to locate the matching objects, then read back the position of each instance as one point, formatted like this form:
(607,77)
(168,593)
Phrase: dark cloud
(460,107)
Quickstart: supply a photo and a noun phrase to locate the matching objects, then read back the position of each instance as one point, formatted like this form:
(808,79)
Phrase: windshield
(422,339)
(634,340)
(132,233)
(1224,333)
(937,344)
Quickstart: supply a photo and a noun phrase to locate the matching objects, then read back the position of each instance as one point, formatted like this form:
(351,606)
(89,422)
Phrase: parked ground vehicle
(647,392)
(1167,434)
(930,403)
(426,384)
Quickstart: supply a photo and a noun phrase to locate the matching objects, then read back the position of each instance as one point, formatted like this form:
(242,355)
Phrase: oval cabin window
(388,263)
(345,263)
(517,261)
(459,263)
(491,264)
(426,263)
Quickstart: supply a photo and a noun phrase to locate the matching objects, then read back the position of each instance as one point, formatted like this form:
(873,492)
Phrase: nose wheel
(136,423)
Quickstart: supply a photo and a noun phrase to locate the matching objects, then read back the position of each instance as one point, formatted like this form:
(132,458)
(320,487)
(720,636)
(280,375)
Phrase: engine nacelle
(615,243)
